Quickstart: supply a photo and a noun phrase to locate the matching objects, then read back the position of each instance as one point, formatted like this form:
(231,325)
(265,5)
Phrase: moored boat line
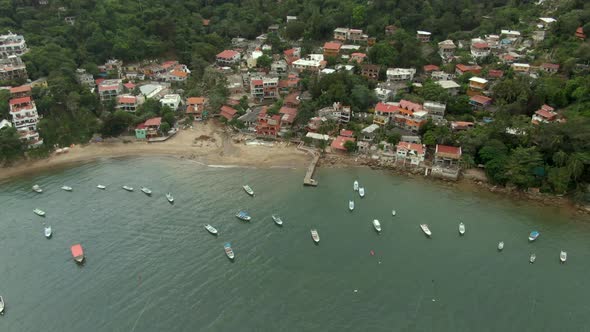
(355,185)
(100,186)
(362,192)
(146,191)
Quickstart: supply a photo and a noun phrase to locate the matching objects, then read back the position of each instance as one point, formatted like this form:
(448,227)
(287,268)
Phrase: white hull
(277,220)
(211,229)
(100,186)
(39,212)
(532,258)
(37,189)
(248,190)
(426,230)
(461,228)
(66,188)
(393,213)
(377,225)
(170,198)
(48,232)
(1,306)
(351,205)
(128,188)
(362,192)
(146,191)
(315,236)
(563,256)
(355,186)
(500,245)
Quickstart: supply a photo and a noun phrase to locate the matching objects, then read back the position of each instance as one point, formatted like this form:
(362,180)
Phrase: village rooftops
(386,108)
(228,112)
(153,122)
(195,100)
(334,46)
(418,148)
(338,143)
(20,89)
(448,151)
(228,54)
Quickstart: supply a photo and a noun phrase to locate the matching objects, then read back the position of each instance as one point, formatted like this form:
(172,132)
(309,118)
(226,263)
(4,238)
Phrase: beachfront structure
(313,62)
(423,36)
(264,87)
(338,144)
(195,107)
(413,153)
(13,44)
(109,89)
(337,112)
(446,49)
(228,112)
(446,156)
(384,113)
(129,103)
(400,74)
(411,116)
(546,114)
(368,133)
(25,119)
(172,101)
(288,115)
(228,58)
(268,125)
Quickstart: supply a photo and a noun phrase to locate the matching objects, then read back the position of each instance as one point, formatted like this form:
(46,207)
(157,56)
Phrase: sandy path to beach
(207,143)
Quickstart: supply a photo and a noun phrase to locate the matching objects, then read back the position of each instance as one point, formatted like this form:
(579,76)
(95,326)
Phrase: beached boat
(500,245)
(533,236)
(315,235)
(128,188)
(461,228)
(228,251)
(1,306)
(426,230)
(563,256)
(37,189)
(66,188)
(211,229)
(377,225)
(243,215)
(170,198)
(48,232)
(100,186)
(248,190)
(146,191)
(39,212)
(393,213)
(351,205)
(355,185)
(277,220)
(77,253)
(362,192)
(532,258)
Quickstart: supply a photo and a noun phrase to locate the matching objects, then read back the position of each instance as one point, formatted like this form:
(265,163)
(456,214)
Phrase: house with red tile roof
(480,49)
(291,55)
(385,112)
(228,58)
(495,74)
(288,115)
(338,144)
(550,68)
(430,68)
(445,155)
(20,91)
(332,49)
(346,133)
(480,102)
(195,106)
(546,114)
(109,89)
(580,33)
(264,87)
(411,116)
(228,112)
(461,69)
(129,103)
(358,57)
(410,152)
(461,125)
(292,100)
(268,125)
(290,84)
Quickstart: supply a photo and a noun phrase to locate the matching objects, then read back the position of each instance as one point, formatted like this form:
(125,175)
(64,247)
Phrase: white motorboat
(37,189)
(351,205)
(563,256)
(248,190)
(211,229)
(393,213)
(355,185)
(533,236)
(532,258)
(426,230)
(229,251)
(362,192)
(315,235)
(39,212)
(146,191)
(100,186)
(66,188)
(170,198)
(277,220)
(1,306)
(48,232)
(243,215)
(128,188)
(377,225)
(461,228)
(500,245)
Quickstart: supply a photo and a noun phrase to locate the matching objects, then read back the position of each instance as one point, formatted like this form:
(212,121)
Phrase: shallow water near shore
(151,266)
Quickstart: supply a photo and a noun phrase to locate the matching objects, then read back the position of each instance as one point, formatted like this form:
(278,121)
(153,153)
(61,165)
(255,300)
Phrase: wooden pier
(308,180)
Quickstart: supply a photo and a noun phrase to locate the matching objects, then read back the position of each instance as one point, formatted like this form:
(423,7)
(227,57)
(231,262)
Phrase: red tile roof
(335,46)
(338,143)
(129,85)
(480,45)
(495,73)
(179,73)
(546,114)
(481,99)
(227,54)
(195,100)
(126,99)
(19,89)
(414,107)
(289,114)
(228,112)
(205,22)
(358,55)
(428,68)
(346,133)
(419,148)
(386,108)
(547,108)
(98,81)
(257,82)
(465,68)
(153,122)
(289,52)
(448,150)
(22,100)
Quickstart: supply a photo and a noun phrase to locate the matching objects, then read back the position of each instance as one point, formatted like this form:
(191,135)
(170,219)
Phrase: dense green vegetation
(554,157)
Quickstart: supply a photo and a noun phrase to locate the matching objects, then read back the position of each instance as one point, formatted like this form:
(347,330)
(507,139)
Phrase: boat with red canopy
(77,253)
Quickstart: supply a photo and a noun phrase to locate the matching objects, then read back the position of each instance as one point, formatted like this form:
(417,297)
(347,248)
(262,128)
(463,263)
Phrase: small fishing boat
(39,212)
(128,188)
(37,189)
(351,205)
(228,251)
(426,230)
(77,253)
(533,236)
(532,258)
(243,215)
(393,213)
(377,225)
(211,229)
(248,190)
(66,188)
(48,232)
(362,192)
(1,306)
(563,256)
(461,228)
(100,186)
(315,236)
(355,185)
(277,220)
(170,198)
(500,245)
(146,191)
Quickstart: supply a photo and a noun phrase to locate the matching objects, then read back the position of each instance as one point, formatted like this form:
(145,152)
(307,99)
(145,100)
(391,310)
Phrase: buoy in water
(372,253)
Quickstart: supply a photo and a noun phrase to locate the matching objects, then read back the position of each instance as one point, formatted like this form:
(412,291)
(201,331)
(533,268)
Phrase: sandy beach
(207,143)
